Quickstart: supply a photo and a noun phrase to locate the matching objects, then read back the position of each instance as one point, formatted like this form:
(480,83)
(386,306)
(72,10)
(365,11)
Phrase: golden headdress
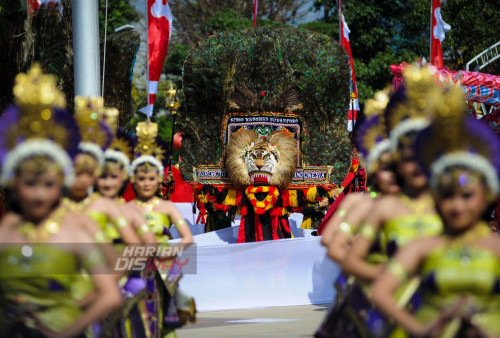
(148,149)
(121,148)
(410,108)
(371,138)
(37,126)
(455,139)
(95,135)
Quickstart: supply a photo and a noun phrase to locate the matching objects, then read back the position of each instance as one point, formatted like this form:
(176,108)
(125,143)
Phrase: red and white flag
(33,5)
(159,19)
(353,100)
(438,32)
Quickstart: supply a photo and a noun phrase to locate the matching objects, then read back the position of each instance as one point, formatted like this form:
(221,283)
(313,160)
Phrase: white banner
(286,272)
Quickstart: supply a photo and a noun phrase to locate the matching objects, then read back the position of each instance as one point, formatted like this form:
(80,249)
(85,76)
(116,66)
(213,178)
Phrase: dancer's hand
(436,327)
(466,314)
(45,330)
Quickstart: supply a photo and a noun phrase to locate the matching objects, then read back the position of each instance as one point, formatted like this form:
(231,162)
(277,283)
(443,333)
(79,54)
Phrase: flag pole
(340,20)
(352,111)
(147,59)
(174,114)
(172,105)
(430,37)
(86,48)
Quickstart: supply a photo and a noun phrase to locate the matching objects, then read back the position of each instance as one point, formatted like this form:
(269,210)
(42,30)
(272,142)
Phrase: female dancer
(114,176)
(127,322)
(34,278)
(375,147)
(357,205)
(88,166)
(460,269)
(146,173)
(396,220)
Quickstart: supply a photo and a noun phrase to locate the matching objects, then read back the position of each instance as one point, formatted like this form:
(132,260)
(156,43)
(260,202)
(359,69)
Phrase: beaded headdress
(121,148)
(148,149)
(37,126)
(456,140)
(410,109)
(96,136)
(372,139)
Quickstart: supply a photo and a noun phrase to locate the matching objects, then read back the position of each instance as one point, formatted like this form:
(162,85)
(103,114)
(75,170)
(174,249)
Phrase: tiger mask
(264,160)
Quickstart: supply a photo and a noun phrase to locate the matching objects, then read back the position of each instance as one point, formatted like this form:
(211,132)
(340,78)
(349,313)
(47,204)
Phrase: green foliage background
(120,13)
(383,32)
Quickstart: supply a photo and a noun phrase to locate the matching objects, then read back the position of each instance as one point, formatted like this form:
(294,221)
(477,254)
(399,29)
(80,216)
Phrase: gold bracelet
(121,222)
(100,237)
(180,223)
(346,228)
(93,258)
(341,212)
(368,231)
(397,269)
(143,229)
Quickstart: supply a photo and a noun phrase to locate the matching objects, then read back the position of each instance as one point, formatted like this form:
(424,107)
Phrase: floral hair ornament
(372,139)
(96,135)
(455,141)
(410,109)
(37,127)
(121,149)
(149,150)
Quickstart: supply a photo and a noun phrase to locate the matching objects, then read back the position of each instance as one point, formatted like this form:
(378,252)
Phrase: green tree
(12,17)
(385,32)
(11,11)
(474,27)
(47,39)
(120,13)
(195,20)
(227,19)
(175,58)
(327,28)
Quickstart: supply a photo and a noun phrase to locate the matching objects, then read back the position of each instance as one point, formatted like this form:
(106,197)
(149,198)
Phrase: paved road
(291,321)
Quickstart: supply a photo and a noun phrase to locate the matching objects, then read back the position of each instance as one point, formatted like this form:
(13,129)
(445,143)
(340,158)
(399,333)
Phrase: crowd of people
(418,256)
(60,244)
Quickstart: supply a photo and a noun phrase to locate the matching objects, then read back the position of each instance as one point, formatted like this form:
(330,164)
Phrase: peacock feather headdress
(267,70)
(456,140)
(37,126)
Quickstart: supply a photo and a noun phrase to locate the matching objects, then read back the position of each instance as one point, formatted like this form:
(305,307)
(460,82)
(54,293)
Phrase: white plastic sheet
(265,274)
(234,276)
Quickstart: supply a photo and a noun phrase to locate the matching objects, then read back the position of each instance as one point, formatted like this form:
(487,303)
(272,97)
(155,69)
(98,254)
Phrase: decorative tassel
(292,199)
(306,224)
(311,194)
(230,198)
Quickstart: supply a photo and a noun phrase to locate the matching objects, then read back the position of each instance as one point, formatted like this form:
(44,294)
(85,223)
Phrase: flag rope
(104,52)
